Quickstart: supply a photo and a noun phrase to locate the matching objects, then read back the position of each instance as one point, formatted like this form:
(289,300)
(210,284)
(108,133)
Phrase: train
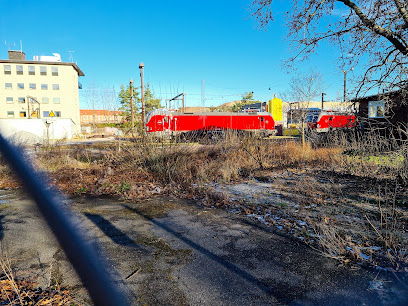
(210,124)
(326,121)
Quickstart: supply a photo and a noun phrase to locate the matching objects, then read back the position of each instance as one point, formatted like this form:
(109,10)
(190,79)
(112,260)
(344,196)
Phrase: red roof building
(93,116)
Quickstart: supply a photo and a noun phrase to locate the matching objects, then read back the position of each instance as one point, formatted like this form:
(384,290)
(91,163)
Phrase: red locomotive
(325,121)
(208,123)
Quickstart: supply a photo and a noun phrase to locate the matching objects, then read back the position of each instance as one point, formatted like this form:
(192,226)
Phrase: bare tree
(369,33)
(303,89)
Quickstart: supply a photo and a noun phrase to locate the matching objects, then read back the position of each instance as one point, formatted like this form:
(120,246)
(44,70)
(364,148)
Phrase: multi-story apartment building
(42,88)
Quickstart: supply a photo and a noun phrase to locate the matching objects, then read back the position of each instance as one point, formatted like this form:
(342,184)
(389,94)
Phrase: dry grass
(137,170)
(26,292)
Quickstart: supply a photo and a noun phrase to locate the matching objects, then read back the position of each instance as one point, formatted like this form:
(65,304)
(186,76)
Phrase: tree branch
(402,11)
(374,67)
(376,28)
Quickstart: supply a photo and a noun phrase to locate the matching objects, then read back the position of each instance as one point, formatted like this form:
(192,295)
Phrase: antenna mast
(9,45)
(71,56)
(203,93)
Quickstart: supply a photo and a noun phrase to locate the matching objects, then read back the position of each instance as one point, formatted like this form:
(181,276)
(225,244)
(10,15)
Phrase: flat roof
(80,73)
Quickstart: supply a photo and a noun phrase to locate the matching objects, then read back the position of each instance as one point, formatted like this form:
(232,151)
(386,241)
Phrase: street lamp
(141,66)
(345,83)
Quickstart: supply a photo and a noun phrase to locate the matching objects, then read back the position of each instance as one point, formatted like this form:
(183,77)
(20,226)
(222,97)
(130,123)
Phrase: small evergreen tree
(124,99)
(150,101)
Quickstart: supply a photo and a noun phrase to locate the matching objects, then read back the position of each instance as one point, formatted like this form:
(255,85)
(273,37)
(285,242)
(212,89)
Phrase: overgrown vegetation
(346,198)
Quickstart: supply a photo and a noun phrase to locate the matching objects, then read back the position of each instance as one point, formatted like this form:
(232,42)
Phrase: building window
(57,114)
(9,99)
(376,109)
(10,114)
(19,69)
(9,86)
(21,100)
(57,100)
(55,86)
(44,86)
(43,70)
(54,71)
(33,100)
(46,113)
(33,86)
(7,69)
(45,100)
(23,114)
(31,70)
(20,85)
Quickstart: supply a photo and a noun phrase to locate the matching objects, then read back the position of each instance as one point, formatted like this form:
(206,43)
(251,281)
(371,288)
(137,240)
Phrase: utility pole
(183,102)
(132,122)
(141,66)
(322,99)
(345,83)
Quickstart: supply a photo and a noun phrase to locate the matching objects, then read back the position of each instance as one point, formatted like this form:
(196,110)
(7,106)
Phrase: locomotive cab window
(166,119)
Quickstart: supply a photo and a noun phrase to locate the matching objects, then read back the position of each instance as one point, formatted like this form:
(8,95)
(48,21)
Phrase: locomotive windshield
(149,116)
(300,114)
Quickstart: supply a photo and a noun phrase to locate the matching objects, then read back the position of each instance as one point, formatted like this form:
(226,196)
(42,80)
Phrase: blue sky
(180,43)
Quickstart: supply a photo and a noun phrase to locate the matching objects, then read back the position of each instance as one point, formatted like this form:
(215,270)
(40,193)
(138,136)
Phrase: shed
(387,111)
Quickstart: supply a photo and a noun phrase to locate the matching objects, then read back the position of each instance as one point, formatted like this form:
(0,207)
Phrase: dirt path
(172,252)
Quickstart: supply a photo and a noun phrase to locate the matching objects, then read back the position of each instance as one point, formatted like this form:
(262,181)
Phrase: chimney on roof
(16,55)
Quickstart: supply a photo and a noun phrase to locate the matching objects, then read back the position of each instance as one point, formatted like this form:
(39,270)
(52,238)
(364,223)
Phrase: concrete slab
(172,252)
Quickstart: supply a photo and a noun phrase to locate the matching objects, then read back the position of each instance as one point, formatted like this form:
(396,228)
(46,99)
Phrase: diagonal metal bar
(89,265)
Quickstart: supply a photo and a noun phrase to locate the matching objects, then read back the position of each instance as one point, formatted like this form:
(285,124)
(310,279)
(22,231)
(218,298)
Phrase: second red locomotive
(326,121)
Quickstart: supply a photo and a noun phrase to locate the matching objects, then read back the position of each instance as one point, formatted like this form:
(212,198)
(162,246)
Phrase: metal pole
(132,122)
(183,103)
(141,66)
(345,81)
(322,99)
(28,107)
(48,133)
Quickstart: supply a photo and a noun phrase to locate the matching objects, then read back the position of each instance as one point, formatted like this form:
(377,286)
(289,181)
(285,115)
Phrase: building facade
(39,89)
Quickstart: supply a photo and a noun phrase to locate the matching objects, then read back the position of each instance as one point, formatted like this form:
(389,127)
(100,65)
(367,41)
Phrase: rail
(89,265)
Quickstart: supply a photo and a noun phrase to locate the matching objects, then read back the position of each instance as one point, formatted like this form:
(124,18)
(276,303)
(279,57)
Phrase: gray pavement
(172,252)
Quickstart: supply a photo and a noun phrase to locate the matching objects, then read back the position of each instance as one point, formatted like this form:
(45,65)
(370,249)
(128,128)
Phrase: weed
(81,190)
(387,227)
(122,187)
